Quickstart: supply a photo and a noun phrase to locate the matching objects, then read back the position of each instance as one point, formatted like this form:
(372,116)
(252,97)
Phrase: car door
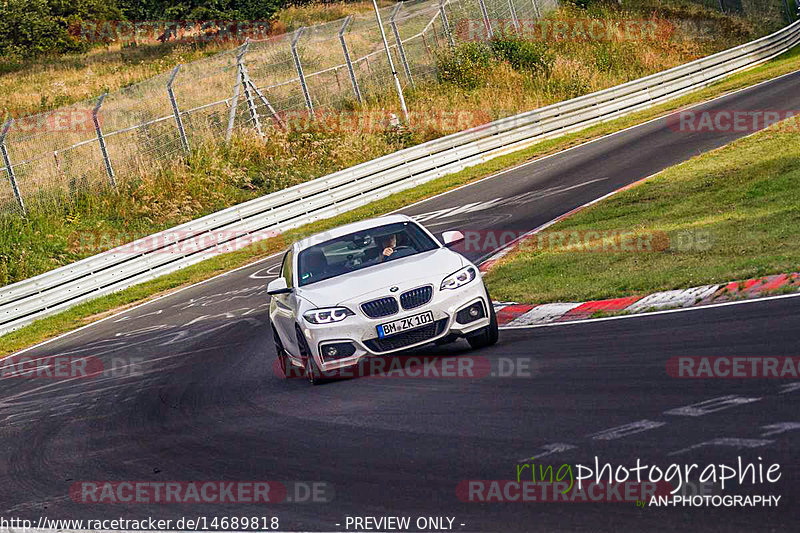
(286,308)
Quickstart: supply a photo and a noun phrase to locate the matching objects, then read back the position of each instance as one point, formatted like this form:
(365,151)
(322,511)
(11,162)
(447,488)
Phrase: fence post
(486,21)
(9,169)
(788,11)
(103,150)
(352,72)
(536,9)
(299,68)
(176,112)
(247,86)
(446,23)
(427,46)
(235,99)
(514,17)
(265,102)
(397,86)
(399,41)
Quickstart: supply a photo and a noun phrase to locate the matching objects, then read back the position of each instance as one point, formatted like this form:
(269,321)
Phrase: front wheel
(282,356)
(313,373)
(486,336)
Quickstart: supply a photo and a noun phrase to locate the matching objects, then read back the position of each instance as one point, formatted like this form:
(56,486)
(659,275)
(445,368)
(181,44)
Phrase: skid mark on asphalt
(710,406)
(726,442)
(549,449)
(703,408)
(627,429)
(781,427)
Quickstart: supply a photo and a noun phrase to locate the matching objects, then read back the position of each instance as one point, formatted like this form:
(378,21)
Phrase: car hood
(408,272)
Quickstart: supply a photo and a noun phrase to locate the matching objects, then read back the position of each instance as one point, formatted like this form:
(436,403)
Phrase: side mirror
(278,286)
(451,238)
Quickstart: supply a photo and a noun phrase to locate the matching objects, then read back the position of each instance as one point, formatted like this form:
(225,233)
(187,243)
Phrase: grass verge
(86,313)
(729,214)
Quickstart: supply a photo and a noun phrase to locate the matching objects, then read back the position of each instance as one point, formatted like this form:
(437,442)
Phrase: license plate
(404,324)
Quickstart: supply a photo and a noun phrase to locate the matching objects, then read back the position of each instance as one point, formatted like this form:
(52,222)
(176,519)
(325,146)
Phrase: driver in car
(389,244)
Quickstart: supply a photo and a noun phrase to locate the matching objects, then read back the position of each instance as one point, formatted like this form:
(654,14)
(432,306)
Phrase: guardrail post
(486,22)
(299,68)
(446,23)
(536,9)
(346,52)
(235,98)
(10,169)
(102,141)
(399,41)
(514,17)
(176,112)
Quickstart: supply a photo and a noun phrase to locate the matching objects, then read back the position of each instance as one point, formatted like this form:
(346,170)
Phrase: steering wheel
(399,251)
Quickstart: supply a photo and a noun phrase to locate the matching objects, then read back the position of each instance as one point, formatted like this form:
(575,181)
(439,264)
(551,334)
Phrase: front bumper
(361,330)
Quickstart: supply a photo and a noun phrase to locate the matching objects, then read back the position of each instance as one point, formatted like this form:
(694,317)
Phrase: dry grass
(44,84)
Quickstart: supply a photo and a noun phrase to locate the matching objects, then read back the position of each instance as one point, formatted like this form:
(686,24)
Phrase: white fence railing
(184,245)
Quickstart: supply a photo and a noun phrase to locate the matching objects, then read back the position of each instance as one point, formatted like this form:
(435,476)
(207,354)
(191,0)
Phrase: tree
(29,28)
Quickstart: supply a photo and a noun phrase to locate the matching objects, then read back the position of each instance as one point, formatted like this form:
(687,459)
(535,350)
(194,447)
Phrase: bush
(617,59)
(522,55)
(250,10)
(30,28)
(465,67)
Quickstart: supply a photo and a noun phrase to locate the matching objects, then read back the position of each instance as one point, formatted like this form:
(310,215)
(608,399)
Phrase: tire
(282,356)
(487,336)
(313,373)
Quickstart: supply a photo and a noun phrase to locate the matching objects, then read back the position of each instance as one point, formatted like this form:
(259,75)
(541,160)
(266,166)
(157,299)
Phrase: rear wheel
(486,336)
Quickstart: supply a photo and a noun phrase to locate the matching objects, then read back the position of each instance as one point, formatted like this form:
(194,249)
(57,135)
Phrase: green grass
(730,214)
(90,311)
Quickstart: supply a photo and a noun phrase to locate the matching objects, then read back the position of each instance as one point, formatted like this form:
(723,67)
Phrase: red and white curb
(514,314)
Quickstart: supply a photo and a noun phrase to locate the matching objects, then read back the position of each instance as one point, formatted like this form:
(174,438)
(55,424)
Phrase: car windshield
(363,249)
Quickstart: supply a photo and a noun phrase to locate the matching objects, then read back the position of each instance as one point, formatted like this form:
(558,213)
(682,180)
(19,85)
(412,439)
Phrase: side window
(286,268)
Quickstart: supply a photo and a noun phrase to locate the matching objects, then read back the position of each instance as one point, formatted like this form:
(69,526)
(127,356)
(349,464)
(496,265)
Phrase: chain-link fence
(129,133)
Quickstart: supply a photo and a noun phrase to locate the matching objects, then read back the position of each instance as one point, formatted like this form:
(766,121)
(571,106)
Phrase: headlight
(327,315)
(459,279)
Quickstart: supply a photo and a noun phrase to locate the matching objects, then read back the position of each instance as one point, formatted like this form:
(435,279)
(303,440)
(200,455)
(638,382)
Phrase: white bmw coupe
(374,288)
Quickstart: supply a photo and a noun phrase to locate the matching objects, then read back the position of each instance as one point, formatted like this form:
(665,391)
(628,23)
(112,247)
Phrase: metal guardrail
(325,197)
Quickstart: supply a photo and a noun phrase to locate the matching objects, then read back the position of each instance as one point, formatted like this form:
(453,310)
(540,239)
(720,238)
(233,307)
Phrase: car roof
(349,228)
